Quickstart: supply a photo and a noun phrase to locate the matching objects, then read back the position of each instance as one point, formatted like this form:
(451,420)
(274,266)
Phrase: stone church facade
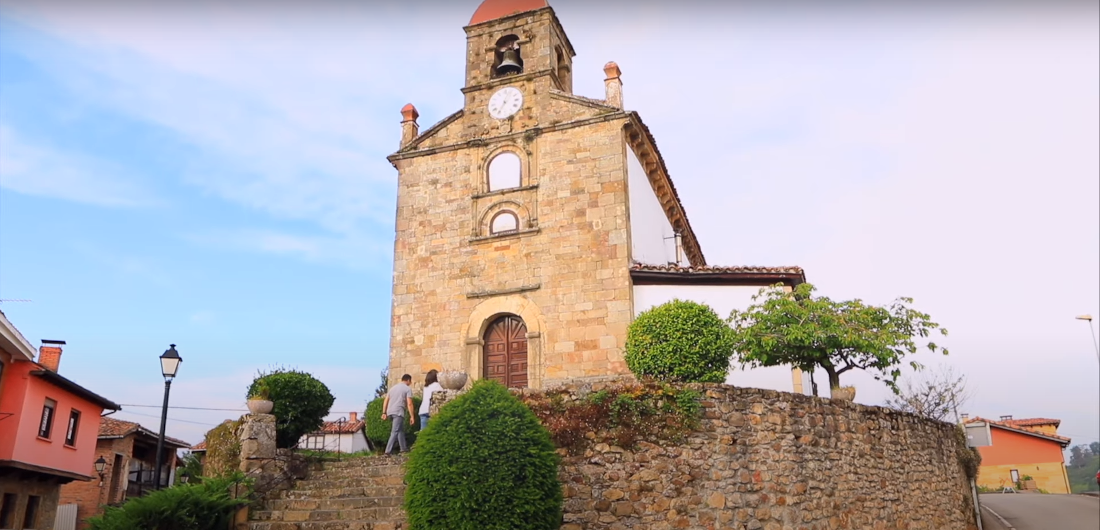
(516,256)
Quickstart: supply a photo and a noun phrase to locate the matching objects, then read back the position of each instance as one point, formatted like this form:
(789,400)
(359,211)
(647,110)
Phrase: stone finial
(409,128)
(613,84)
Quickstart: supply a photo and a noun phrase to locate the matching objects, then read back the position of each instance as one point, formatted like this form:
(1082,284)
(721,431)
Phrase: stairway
(355,494)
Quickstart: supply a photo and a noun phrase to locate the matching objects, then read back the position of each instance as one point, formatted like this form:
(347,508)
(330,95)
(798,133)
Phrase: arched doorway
(505,351)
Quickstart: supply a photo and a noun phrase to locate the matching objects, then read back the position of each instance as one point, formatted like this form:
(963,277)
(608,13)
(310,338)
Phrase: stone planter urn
(260,406)
(844,393)
(452,379)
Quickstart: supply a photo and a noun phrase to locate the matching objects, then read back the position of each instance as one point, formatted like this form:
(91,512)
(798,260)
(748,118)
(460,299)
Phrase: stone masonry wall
(763,459)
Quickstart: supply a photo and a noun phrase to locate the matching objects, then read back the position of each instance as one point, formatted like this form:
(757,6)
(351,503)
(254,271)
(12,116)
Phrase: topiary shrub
(378,430)
(680,341)
(204,506)
(301,403)
(484,463)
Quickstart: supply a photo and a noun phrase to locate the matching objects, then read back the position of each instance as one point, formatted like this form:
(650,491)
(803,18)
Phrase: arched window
(503,222)
(504,171)
(507,60)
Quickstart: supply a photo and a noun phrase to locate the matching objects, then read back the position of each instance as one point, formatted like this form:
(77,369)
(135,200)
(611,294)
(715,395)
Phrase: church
(534,224)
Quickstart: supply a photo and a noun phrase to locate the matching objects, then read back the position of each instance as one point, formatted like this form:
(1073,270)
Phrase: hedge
(680,341)
(484,463)
(378,430)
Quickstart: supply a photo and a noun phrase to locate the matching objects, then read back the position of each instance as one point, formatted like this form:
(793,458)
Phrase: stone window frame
(524,169)
(523,220)
(488,310)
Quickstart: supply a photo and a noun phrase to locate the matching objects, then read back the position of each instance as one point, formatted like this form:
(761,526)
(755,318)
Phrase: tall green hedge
(204,506)
(484,463)
(301,403)
(680,341)
(378,430)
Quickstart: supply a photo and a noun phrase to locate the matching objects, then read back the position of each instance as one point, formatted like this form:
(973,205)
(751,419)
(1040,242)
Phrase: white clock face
(505,102)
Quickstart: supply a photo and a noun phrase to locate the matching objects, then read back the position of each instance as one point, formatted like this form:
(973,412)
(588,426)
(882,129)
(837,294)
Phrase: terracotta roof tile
(347,427)
(112,428)
(201,446)
(706,269)
(1014,425)
(116,428)
(1034,422)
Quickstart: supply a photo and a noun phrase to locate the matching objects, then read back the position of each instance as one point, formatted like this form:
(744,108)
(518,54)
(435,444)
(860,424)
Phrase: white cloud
(34,169)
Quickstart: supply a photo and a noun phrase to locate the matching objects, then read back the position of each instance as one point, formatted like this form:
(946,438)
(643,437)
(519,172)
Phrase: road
(1043,512)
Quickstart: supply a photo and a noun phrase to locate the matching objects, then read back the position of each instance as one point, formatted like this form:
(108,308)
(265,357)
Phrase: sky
(213,175)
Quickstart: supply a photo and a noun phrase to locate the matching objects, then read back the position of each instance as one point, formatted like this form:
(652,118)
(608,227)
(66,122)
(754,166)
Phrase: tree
(1094,447)
(806,331)
(1079,455)
(937,395)
(680,341)
(301,403)
(384,385)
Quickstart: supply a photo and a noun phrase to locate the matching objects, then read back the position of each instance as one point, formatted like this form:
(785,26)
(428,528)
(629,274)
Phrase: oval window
(504,222)
(504,171)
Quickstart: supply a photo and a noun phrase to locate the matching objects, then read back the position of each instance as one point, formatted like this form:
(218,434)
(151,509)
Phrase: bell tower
(517,40)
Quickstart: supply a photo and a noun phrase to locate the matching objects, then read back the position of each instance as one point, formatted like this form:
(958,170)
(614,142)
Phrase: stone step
(387,513)
(377,460)
(381,490)
(350,503)
(328,525)
(321,483)
(358,472)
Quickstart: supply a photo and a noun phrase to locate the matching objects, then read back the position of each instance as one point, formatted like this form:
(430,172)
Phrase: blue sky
(214,176)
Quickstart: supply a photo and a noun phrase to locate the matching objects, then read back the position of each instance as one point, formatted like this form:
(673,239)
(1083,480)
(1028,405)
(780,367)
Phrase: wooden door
(506,351)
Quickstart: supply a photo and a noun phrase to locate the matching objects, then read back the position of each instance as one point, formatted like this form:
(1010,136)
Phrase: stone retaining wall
(763,459)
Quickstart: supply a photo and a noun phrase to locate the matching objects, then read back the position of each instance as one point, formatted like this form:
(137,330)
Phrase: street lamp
(100,468)
(1093,332)
(169,362)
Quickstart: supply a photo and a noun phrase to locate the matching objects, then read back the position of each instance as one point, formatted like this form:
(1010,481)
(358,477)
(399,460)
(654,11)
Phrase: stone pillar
(257,441)
(409,129)
(613,84)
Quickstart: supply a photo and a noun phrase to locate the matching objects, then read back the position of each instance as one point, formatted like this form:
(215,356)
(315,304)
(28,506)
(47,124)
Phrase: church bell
(509,64)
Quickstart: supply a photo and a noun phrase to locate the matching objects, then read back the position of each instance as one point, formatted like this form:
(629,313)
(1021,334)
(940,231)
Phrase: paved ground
(1041,512)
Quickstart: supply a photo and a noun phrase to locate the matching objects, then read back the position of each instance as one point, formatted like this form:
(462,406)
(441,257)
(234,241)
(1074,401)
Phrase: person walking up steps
(398,405)
(431,386)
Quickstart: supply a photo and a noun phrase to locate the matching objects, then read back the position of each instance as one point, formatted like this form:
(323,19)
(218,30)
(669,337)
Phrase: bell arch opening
(507,60)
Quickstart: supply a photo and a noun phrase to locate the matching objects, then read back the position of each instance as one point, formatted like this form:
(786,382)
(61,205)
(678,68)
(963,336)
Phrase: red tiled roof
(112,428)
(494,9)
(706,269)
(347,427)
(1034,422)
(1012,425)
(199,447)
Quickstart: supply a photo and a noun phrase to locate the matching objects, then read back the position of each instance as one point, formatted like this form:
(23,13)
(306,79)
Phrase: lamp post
(1093,332)
(169,362)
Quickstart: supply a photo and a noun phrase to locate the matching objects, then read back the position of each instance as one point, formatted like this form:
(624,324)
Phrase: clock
(505,102)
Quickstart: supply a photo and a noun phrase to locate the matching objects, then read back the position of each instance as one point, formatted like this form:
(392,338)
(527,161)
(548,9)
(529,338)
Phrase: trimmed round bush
(301,403)
(680,341)
(378,430)
(484,463)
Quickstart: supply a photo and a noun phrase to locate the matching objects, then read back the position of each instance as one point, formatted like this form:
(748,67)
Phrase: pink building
(48,430)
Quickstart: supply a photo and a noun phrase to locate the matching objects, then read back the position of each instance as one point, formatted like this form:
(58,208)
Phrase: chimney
(1006,418)
(613,84)
(965,416)
(409,128)
(49,354)
(353,417)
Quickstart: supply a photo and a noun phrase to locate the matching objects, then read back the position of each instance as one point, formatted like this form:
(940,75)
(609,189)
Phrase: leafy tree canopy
(806,331)
(679,341)
(301,403)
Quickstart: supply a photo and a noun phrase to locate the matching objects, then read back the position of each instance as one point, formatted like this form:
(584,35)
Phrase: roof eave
(64,383)
(13,342)
(763,279)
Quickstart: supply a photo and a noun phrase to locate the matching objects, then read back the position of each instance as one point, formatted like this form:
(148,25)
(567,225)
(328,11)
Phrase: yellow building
(1024,448)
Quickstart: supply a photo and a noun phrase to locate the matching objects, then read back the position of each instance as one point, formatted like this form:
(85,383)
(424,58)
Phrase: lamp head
(170,362)
(1084,317)
(100,466)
